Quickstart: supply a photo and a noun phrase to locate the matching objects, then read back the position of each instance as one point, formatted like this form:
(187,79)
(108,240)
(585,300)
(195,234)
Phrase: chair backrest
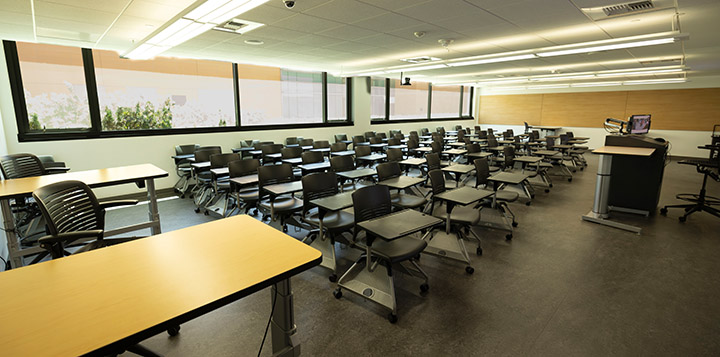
(371,202)
(413,144)
(564,139)
(458,127)
(570,134)
(272,174)
(424,131)
(203,154)
(292,141)
(358,139)
(239,168)
(381,135)
(492,142)
(186,149)
(376,140)
(392,133)
(394,141)
(413,133)
(369,134)
(291,152)
(506,135)
(535,135)
(306,142)
(342,163)
(461,134)
(258,145)
(271,149)
(394,154)
(509,155)
(318,185)
(436,146)
(339,146)
(21,165)
(482,134)
(482,171)
(68,206)
(441,130)
(388,170)
(510,132)
(362,150)
(437,181)
(478,129)
(340,137)
(399,136)
(471,148)
(549,143)
(490,131)
(311,157)
(221,160)
(433,161)
(321,144)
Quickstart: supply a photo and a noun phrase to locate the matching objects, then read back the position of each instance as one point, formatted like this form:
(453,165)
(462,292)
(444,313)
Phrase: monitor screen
(639,124)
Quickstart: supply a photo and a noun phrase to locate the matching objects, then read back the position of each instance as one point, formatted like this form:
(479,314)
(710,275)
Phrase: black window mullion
(470,107)
(324,98)
(387,98)
(429,102)
(462,92)
(236,93)
(16,87)
(348,95)
(92,93)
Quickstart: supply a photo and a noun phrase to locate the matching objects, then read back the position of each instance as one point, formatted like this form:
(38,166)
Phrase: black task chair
(73,215)
(246,196)
(394,155)
(219,186)
(283,206)
(373,202)
(501,197)
(319,185)
(203,178)
(182,168)
(388,170)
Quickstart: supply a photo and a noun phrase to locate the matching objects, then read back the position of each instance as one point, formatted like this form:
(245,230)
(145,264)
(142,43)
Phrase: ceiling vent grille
(628,8)
(421,59)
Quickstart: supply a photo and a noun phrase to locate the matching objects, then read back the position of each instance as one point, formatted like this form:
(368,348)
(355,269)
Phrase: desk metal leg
(10,236)
(283,321)
(599,213)
(153,206)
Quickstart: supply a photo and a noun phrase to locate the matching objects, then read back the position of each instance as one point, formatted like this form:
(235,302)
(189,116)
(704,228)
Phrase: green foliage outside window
(140,117)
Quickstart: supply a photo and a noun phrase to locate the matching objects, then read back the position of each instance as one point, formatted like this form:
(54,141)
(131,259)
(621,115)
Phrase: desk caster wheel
(551,185)
(663,211)
(332,278)
(528,203)
(424,288)
(469,269)
(514,224)
(582,168)
(682,218)
(547,190)
(478,251)
(392,318)
(174,330)
(508,237)
(182,196)
(285,229)
(197,210)
(570,179)
(207,213)
(337,293)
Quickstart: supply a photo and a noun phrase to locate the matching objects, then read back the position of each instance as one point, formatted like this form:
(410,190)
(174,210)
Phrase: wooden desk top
(623,150)
(93,178)
(78,304)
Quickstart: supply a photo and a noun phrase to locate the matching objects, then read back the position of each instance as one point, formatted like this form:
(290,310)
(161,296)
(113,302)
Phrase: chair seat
(333,221)
(494,168)
(407,201)
(398,250)
(460,214)
(248,195)
(507,196)
(283,204)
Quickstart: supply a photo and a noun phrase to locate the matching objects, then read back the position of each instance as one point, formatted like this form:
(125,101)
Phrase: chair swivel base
(450,246)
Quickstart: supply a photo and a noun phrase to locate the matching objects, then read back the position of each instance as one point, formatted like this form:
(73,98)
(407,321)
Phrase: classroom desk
(402,182)
(281,189)
(292,161)
(511,178)
(599,213)
(314,167)
(478,155)
(357,173)
(424,149)
(245,180)
(143,175)
(183,156)
(342,153)
(458,170)
(372,158)
(96,302)
(458,144)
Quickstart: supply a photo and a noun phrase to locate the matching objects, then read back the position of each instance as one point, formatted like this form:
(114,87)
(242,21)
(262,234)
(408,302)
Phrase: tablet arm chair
(247,196)
(281,206)
(183,169)
(373,202)
(389,170)
(500,198)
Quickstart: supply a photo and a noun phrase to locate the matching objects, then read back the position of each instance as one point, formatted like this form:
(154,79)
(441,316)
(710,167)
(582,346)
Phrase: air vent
(421,59)
(237,26)
(628,8)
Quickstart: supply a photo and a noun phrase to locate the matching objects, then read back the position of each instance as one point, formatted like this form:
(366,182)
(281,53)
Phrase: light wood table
(143,175)
(599,213)
(106,299)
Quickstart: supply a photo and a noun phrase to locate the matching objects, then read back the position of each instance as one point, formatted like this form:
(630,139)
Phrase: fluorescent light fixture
(560,78)
(420,68)
(606,47)
(640,73)
(655,81)
(596,84)
(549,86)
(508,88)
(195,22)
(492,60)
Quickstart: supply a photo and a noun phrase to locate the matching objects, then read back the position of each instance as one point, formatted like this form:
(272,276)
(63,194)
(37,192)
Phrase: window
(408,102)
(53,80)
(163,93)
(377,98)
(467,98)
(337,98)
(445,102)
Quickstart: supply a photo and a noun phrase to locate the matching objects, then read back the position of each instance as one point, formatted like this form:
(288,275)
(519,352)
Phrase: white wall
(99,153)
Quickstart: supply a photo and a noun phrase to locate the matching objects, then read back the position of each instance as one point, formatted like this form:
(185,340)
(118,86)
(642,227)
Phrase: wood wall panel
(676,109)
(687,109)
(510,109)
(587,109)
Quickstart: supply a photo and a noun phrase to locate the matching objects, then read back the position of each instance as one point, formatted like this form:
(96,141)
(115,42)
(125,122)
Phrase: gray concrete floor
(560,287)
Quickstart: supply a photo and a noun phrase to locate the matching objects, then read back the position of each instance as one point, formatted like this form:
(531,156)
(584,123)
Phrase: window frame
(95,131)
(429,117)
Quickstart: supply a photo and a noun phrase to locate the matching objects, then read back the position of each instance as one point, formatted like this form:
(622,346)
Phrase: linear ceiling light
(617,46)
(492,60)
(195,22)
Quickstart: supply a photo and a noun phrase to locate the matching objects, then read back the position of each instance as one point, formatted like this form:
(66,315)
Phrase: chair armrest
(56,170)
(117,203)
(71,236)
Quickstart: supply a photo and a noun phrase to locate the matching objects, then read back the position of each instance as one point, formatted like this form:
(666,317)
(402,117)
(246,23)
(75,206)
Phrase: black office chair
(339,146)
(394,155)
(291,152)
(319,185)
(388,170)
(246,197)
(283,206)
(502,197)
(312,157)
(307,142)
(203,178)
(182,168)
(73,215)
(341,138)
(271,153)
(292,141)
(373,202)
(701,202)
(361,151)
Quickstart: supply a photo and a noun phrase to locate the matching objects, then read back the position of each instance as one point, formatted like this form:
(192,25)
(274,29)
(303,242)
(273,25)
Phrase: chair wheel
(547,190)
(508,237)
(285,229)
(551,185)
(570,179)
(197,210)
(332,278)
(424,287)
(469,269)
(663,211)
(582,168)
(392,318)
(254,212)
(682,218)
(514,224)
(207,213)
(182,196)
(478,251)
(174,330)
(337,293)
(528,203)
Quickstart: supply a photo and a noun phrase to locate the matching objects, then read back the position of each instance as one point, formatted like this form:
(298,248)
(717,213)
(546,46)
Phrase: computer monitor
(639,124)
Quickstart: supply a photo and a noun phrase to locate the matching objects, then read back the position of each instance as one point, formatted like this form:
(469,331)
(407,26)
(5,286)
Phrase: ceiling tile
(346,11)
(347,32)
(306,23)
(277,33)
(316,40)
(350,46)
(438,10)
(268,14)
(394,4)
(72,13)
(388,22)
(154,10)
